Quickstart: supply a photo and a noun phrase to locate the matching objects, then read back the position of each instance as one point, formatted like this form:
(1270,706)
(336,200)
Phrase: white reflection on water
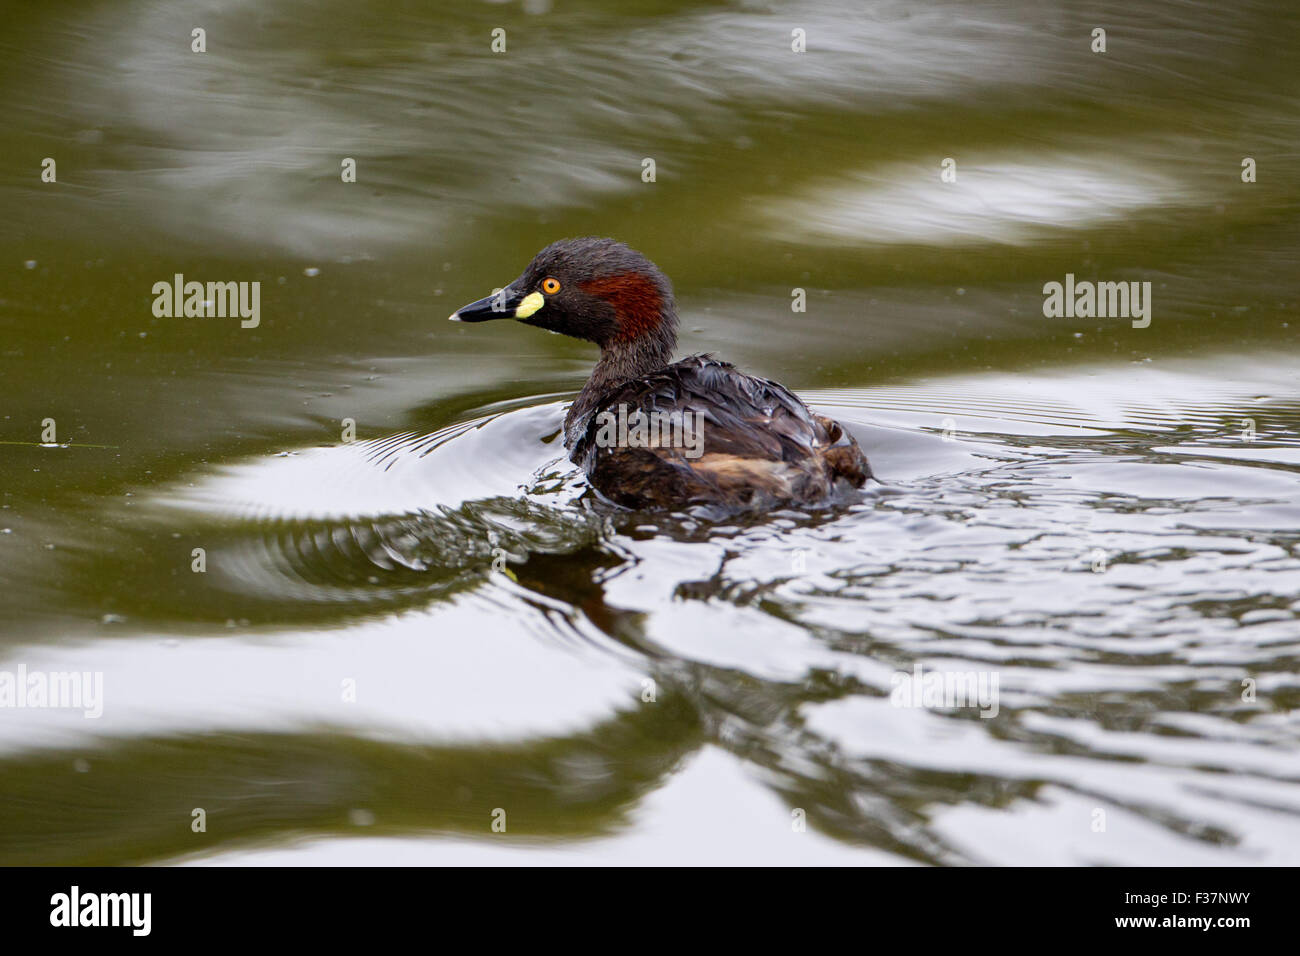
(990,201)
(415,679)
(708,813)
(497,455)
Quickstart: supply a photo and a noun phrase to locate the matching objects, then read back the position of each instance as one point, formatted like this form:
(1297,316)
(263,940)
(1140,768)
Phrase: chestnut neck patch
(635,299)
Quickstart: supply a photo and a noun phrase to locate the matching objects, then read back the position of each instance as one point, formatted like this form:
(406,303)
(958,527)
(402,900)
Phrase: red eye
(550,285)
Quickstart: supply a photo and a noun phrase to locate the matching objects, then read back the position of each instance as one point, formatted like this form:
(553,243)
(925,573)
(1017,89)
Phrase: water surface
(398,635)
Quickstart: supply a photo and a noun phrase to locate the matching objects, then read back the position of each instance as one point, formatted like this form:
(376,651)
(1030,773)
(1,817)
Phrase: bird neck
(625,359)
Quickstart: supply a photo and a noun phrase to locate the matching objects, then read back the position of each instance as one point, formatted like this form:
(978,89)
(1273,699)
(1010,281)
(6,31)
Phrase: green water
(1106,518)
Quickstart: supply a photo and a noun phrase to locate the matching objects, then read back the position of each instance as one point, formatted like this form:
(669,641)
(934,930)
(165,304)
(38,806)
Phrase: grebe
(650,434)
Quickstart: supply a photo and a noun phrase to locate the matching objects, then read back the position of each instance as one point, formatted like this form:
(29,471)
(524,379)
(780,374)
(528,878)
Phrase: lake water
(349,603)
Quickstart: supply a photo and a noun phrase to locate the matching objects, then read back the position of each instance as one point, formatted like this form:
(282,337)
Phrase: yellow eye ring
(550,285)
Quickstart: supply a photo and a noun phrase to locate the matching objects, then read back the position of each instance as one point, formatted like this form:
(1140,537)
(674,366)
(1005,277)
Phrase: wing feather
(761,444)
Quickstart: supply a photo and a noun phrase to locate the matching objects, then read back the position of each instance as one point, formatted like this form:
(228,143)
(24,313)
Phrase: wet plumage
(759,445)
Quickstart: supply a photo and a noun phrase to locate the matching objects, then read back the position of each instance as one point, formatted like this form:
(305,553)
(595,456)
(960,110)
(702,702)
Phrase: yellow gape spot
(532,302)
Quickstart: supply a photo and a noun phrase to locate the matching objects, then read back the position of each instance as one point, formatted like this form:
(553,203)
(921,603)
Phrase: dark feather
(761,444)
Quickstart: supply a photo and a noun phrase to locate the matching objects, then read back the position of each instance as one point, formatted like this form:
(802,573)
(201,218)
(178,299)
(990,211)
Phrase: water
(395,638)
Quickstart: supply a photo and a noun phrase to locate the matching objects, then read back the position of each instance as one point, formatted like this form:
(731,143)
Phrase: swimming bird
(651,433)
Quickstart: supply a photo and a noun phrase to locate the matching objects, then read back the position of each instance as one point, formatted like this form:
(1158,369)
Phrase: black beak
(499,305)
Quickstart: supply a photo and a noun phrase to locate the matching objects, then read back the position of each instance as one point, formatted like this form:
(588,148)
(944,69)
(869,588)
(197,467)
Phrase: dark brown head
(593,289)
